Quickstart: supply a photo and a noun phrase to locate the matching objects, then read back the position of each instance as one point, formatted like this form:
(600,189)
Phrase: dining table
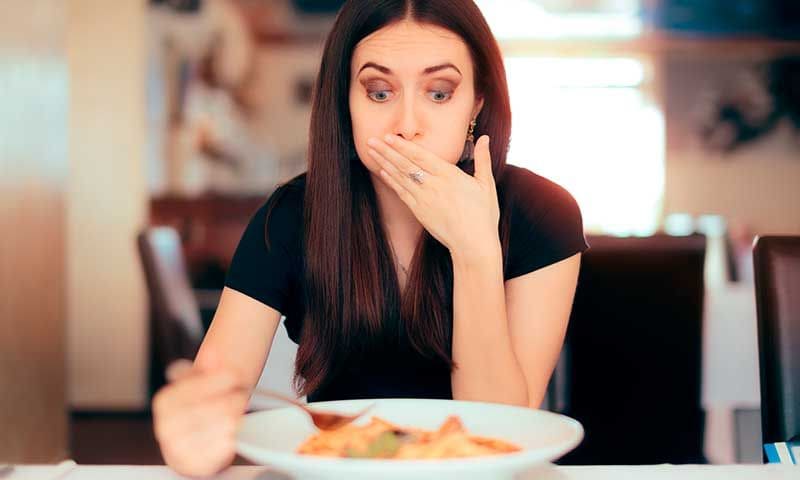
(69,470)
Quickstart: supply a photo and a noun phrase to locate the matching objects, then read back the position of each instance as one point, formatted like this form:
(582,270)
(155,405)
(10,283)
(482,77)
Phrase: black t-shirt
(545,227)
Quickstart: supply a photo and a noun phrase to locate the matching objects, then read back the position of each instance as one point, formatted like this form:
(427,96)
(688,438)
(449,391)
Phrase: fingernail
(178,369)
(389,138)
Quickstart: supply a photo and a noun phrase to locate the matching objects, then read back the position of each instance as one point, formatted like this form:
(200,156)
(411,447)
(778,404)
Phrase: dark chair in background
(210,227)
(631,364)
(777,276)
(176,326)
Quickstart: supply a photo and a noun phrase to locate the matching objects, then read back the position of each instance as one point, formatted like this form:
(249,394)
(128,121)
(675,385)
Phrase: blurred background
(666,119)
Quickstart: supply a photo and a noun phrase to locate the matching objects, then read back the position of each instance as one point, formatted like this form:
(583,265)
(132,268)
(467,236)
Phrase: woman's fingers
(483,161)
(198,416)
(178,369)
(195,387)
(203,453)
(417,155)
(402,192)
(385,152)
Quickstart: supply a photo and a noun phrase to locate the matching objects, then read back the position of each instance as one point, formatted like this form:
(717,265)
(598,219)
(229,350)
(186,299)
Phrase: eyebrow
(427,71)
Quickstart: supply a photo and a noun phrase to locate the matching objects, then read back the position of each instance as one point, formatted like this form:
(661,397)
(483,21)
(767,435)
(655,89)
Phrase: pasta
(382,439)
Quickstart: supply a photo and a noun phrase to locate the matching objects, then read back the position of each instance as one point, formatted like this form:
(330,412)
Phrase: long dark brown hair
(352,296)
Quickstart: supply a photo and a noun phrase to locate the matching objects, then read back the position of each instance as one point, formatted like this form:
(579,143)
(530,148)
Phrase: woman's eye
(380,95)
(440,96)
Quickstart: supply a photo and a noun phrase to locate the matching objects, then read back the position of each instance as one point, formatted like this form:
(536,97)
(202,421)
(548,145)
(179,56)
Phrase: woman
(406,264)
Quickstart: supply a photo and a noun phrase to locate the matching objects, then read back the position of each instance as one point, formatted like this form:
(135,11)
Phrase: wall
(33,179)
(107,307)
(285,117)
(756,186)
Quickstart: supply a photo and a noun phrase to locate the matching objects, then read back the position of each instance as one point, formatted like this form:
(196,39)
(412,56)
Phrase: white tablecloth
(650,472)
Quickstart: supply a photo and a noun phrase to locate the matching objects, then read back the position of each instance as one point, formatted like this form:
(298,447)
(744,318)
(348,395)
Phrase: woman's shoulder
(288,195)
(546,225)
(281,214)
(535,195)
(268,256)
(285,203)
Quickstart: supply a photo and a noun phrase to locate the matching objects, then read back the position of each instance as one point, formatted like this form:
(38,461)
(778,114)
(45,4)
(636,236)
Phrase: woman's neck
(401,227)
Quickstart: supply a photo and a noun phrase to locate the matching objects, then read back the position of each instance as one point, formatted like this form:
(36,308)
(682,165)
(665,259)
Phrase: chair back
(632,356)
(176,325)
(777,277)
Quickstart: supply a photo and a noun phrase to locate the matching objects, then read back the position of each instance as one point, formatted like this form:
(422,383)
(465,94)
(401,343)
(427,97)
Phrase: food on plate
(382,439)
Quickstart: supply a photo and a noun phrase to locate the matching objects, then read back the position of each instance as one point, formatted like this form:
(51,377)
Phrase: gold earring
(467,155)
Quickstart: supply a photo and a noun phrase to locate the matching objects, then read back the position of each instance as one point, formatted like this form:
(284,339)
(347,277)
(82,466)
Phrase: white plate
(271,438)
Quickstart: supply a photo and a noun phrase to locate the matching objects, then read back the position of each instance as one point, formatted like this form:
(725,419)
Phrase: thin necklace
(397,259)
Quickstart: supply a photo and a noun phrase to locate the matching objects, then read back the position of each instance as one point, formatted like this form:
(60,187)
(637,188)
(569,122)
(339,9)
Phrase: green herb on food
(385,445)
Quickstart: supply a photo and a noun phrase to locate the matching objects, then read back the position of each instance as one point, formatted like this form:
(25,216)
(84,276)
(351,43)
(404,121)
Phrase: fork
(322,420)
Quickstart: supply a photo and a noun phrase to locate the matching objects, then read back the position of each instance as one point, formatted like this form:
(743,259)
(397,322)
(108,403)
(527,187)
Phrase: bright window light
(587,125)
(521,19)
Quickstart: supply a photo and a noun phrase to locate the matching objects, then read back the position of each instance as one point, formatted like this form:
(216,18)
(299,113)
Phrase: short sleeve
(546,225)
(267,273)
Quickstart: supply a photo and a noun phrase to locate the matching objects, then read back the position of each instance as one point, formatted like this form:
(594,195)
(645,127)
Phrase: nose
(408,124)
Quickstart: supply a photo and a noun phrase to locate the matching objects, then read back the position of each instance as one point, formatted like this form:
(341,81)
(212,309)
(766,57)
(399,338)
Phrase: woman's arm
(486,367)
(240,337)
(196,415)
(538,305)
(506,338)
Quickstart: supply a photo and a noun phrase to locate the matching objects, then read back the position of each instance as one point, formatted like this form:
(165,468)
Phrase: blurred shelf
(656,43)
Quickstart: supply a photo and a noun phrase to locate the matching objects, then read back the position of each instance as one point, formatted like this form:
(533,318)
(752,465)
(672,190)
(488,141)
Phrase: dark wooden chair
(777,276)
(176,326)
(632,357)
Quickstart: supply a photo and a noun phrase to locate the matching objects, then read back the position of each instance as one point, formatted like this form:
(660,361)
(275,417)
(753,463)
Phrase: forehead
(407,47)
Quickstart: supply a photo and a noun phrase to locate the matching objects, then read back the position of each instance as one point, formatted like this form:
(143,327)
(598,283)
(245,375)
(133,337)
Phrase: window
(588,125)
